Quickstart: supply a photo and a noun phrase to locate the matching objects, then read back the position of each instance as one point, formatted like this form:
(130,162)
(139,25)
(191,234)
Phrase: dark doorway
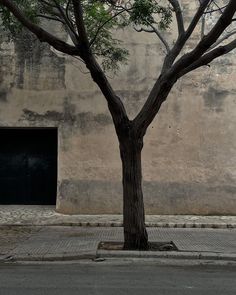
(28,166)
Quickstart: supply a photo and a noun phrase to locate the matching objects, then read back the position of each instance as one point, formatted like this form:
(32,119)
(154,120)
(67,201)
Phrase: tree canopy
(101,19)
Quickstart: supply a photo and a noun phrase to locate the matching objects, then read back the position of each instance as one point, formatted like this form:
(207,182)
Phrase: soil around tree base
(152,246)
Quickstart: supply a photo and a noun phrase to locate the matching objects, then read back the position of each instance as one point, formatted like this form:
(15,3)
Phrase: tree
(91,25)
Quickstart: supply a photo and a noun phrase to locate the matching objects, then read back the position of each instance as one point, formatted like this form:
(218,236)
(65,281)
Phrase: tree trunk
(135,234)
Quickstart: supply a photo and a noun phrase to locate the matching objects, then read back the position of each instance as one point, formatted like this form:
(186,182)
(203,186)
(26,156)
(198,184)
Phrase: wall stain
(176,110)
(69,112)
(47,116)
(87,122)
(224,65)
(6,67)
(103,119)
(37,67)
(3,96)
(98,196)
(214,98)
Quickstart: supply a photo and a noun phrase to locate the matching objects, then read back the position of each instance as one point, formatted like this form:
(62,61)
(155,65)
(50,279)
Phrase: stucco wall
(189,158)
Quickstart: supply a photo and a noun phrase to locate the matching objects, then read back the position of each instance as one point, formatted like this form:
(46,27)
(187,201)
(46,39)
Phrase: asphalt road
(97,278)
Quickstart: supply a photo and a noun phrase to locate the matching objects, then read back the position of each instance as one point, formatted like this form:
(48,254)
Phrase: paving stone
(11,236)
(34,239)
(46,215)
(79,242)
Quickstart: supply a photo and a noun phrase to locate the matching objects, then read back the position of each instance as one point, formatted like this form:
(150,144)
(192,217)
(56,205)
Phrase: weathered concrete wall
(189,158)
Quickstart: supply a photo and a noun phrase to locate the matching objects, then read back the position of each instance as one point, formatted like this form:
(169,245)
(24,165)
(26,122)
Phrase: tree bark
(135,234)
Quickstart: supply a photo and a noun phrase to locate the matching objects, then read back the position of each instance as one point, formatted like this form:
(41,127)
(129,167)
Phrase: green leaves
(102,19)
(142,12)
(101,25)
(145,12)
(10,24)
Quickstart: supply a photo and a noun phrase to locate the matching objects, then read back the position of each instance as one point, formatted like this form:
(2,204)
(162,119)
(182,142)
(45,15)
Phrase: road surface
(107,279)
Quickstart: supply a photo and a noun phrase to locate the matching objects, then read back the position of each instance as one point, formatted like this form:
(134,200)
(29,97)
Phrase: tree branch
(115,104)
(68,23)
(165,82)
(219,41)
(208,40)
(209,57)
(179,16)
(51,18)
(78,12)
(157,96)
(195,20)
(217,9)
(47,3)
(41,34)
(181,41)
(189,61)
(203,25)
(159,35)
(102,26)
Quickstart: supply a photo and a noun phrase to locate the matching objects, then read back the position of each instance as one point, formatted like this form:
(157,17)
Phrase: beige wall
(189,158)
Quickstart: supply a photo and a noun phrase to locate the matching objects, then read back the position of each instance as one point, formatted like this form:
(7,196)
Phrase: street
(112,279)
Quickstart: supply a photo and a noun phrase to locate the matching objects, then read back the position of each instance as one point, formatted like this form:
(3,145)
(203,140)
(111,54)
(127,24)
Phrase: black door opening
(28,166)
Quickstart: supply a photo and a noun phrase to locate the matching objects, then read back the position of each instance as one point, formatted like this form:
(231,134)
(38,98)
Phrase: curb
(49,257)
(166,255)
(103,254)
(2,258)
(120,224)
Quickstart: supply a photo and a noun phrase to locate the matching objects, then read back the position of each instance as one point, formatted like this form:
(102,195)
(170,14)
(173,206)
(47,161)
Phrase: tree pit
(152,246)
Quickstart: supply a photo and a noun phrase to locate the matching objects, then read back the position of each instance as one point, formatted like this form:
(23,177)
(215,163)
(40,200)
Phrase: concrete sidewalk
(58,243)
(38,233)
(46,215)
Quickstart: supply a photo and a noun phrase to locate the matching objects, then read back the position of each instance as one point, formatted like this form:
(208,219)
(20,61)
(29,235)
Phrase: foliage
(11,24)
(102,20)
(144,12)
(101,25)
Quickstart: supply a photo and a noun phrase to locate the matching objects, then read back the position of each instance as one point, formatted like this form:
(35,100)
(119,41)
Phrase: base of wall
(100,197)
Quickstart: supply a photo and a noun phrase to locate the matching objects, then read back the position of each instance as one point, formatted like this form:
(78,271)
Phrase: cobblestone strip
(46,215)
